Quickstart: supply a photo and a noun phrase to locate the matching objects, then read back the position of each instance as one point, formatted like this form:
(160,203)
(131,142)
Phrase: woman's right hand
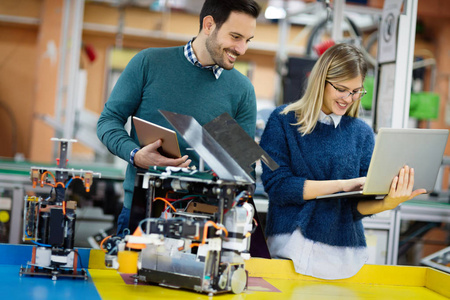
(354,184)
(402,188)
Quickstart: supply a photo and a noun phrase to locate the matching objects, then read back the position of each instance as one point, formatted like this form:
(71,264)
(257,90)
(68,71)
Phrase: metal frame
(404,64)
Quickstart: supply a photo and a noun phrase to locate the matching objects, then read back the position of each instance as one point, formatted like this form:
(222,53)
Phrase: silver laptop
(421,149)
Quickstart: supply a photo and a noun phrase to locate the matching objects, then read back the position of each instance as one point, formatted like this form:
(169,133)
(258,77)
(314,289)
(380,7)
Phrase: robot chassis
(50,223)
(201,247)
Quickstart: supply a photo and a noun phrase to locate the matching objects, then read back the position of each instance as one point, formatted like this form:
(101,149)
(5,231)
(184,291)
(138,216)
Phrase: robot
(50,223)
(199,237)
(202,245)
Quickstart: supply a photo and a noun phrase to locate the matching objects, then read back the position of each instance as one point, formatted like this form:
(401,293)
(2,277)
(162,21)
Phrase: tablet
(149,132)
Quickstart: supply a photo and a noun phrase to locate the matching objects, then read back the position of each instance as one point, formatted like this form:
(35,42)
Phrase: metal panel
(222,144)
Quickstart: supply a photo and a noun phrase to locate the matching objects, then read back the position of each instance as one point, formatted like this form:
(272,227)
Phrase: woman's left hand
(402,188)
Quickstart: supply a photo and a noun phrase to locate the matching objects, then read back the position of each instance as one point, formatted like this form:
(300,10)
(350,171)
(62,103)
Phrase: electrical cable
(71,179)
(218,227)
(104,240)
(165,201)
(79,257)
(36,243)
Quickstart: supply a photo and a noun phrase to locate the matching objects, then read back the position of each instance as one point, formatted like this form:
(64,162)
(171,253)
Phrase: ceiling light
(274,13)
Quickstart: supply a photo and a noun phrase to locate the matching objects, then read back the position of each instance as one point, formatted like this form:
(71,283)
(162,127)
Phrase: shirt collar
(190,55)
(331,119)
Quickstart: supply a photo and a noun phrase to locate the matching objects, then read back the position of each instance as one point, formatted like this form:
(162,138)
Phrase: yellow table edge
(412,276)
(438,282)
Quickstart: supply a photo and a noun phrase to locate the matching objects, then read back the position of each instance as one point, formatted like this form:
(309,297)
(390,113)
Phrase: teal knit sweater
(162,78)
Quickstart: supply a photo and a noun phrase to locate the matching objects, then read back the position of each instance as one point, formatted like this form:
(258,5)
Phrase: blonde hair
(340,62)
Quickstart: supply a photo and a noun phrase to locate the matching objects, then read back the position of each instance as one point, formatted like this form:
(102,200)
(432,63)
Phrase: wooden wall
(28,73)
(28,77)
(17,77)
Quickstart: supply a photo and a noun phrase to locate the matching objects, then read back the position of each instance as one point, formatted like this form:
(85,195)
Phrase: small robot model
(50,223)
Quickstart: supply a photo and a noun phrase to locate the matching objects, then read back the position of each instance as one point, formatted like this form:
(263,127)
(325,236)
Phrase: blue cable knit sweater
(328,153)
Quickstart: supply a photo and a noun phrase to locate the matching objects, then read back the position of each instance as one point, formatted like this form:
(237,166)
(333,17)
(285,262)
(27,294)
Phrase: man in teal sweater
(197,79)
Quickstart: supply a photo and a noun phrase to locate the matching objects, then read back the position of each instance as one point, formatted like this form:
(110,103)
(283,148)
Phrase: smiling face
(339,106)
(225,44)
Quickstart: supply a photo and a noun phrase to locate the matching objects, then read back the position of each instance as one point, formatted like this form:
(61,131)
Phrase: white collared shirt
(315,258)
(331,119)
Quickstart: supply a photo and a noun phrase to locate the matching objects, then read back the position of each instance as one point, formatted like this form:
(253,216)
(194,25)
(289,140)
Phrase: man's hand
(149,156)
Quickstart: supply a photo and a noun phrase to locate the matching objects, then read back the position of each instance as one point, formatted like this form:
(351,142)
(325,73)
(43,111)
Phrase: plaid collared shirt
(189,53)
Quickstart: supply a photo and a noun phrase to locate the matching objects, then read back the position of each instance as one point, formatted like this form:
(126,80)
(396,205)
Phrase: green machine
(423,105)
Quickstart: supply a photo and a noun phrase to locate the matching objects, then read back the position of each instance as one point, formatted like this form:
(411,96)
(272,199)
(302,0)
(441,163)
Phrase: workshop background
(43,55)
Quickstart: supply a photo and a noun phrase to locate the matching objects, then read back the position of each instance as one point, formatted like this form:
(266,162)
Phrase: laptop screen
(421,149)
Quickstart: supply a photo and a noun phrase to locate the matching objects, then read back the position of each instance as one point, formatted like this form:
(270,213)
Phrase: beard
(217,53)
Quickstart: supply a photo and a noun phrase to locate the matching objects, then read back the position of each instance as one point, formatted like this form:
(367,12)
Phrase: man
(197,79)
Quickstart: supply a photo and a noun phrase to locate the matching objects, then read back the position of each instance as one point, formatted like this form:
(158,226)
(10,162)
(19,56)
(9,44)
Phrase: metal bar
(404,65)
(338,19)
(16,215)
(74,62)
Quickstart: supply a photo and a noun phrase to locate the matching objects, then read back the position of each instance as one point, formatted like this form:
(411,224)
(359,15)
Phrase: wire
(47,172)
(79,258)
(104,240)
(56,183)
(167,202)
(182,200)
(173,200)
(253,230)
(218,227)
(169,192)
(59,183)
(50,194)
(36,243)
(71,179)
(140,225)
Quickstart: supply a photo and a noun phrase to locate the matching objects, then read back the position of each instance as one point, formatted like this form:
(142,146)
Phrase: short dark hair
(220,10)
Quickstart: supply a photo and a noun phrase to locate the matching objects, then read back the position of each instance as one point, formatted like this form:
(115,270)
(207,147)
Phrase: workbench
(268,279)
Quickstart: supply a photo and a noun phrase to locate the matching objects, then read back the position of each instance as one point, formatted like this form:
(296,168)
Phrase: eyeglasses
(343,93)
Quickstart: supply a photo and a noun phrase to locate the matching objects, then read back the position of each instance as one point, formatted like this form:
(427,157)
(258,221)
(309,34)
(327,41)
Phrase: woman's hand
(314,188)
(402,189)
(149,156)
(355,184)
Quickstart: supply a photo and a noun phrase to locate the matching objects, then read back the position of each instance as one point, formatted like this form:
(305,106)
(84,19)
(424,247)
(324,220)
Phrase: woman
(323,148)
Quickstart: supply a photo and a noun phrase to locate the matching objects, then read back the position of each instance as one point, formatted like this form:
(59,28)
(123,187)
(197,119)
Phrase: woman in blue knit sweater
(322,148)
